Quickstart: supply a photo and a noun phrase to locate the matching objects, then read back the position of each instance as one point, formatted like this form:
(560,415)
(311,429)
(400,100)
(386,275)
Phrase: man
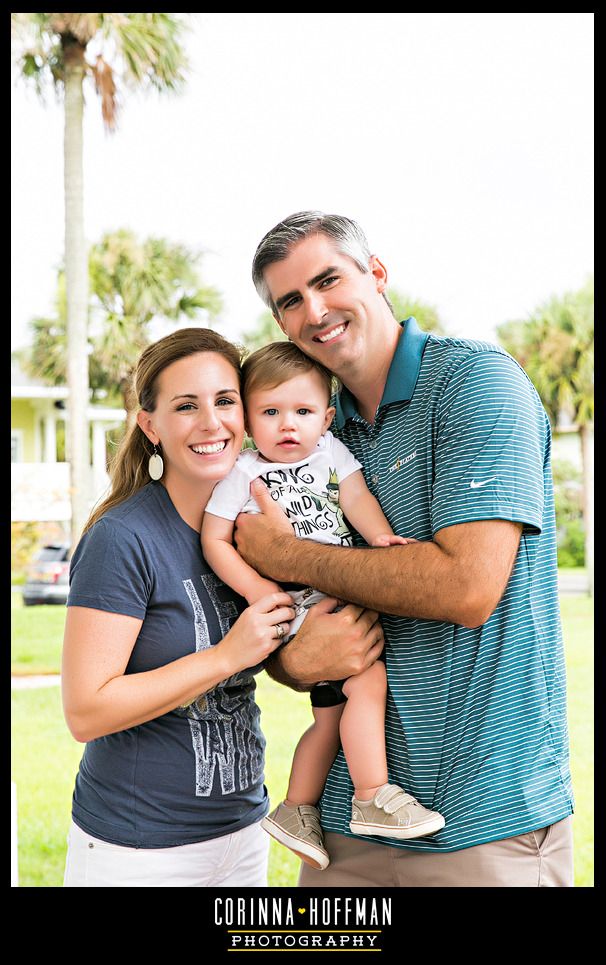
(455,444)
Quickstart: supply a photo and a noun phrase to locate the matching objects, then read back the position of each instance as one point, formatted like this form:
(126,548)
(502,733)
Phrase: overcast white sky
(462,143)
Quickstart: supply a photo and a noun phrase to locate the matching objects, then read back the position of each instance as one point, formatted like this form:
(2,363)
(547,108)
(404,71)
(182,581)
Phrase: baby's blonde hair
(277,363)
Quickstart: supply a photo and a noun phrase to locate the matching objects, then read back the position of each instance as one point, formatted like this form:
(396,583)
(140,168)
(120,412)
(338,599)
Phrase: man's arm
(459,577)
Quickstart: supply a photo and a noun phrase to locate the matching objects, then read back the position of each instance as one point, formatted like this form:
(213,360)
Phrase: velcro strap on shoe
(391,798)
(309,809)
(310,816)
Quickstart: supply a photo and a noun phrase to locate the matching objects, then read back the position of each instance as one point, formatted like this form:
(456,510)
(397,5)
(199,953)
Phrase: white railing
(40,491)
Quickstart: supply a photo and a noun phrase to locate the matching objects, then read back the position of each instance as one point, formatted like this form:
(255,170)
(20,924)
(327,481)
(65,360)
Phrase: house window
(16,446)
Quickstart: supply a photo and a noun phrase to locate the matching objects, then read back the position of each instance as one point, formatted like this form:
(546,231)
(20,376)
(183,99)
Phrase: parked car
(47,576)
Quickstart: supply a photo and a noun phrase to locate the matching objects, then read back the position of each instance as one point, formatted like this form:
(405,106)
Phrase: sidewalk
(572,583)
(34,680)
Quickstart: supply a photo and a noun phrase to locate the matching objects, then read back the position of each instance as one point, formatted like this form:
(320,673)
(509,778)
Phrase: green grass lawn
(45,756)
(37,633)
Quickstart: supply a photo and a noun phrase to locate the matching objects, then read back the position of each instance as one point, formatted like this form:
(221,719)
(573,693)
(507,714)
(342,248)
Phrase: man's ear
(144,421)
(379,273)
(330,414)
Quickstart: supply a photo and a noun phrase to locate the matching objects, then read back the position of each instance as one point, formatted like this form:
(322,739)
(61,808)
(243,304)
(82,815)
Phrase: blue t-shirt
(476,718)
(194,773)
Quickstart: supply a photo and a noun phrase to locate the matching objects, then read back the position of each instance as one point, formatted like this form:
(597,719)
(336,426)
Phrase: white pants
(237,860)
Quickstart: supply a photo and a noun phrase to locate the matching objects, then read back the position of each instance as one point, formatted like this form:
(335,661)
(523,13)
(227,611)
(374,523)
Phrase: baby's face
(287,420)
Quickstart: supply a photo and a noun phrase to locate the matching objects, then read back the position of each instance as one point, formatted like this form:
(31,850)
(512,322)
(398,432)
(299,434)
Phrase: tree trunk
(76,281)
(587,453)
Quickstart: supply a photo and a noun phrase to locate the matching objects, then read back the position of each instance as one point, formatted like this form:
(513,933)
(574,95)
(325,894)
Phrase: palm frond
(555,347)
(139,49)
(150,44)
(105,86)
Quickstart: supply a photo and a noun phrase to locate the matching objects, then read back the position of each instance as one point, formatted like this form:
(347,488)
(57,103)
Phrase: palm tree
(265,331)
(133,285)
(139,50)
(555,347)
(426,315)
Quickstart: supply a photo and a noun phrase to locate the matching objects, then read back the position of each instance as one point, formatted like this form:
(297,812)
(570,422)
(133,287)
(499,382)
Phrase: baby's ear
(330,414)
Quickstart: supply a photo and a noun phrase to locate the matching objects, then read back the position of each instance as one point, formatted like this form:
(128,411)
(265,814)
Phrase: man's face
(326,305)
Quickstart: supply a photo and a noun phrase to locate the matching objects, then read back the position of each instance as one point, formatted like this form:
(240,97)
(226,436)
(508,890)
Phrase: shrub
(25,538)
(567,482)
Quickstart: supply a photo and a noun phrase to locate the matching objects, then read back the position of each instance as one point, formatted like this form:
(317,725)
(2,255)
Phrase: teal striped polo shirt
(476,719)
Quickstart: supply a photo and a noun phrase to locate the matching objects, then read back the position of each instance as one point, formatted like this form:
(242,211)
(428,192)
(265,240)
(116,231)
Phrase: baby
(320,486)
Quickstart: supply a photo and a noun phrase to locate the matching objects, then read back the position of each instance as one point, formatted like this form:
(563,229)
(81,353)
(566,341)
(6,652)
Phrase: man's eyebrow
(310,284)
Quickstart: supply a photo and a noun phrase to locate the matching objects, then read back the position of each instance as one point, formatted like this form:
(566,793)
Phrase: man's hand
(259,536)
(328,646)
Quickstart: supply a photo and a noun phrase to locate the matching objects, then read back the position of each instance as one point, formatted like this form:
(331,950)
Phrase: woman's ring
(279,631)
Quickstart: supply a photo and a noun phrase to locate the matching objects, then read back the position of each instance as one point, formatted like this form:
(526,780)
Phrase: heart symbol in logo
(301,911)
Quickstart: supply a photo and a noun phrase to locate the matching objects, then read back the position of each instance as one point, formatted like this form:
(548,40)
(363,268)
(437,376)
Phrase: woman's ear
(144,421)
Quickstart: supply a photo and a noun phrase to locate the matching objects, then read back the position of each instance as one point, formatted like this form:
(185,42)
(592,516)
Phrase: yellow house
(39,472)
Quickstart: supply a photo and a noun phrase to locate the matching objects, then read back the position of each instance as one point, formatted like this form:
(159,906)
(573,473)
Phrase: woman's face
(198,419)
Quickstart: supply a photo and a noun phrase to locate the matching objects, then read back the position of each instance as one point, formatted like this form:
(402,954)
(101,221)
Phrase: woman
(155,680)
(159,655)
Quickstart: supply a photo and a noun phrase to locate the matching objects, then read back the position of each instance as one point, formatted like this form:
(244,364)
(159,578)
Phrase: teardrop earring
(156,465)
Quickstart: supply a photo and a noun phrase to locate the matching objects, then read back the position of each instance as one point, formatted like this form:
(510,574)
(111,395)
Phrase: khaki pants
(538,859)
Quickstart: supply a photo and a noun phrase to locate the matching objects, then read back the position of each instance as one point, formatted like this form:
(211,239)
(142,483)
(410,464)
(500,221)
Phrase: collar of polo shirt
(401,378)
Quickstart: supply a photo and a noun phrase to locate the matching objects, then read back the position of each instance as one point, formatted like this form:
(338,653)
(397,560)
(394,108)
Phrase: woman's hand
(257,632)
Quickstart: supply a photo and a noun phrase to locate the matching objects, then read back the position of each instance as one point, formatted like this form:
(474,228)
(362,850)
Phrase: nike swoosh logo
(476,485)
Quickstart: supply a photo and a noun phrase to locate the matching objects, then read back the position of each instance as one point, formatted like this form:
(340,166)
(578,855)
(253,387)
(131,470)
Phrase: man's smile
(332,333)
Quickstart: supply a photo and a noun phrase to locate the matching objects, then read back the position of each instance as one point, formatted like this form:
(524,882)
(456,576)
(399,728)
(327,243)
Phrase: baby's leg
(314,756)
(363,730)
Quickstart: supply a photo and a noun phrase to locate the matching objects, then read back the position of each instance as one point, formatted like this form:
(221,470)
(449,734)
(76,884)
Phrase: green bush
(25,538)
(568,495)
(571,549)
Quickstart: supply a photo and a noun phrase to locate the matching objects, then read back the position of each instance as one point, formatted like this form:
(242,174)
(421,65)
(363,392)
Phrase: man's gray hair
(278,243)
